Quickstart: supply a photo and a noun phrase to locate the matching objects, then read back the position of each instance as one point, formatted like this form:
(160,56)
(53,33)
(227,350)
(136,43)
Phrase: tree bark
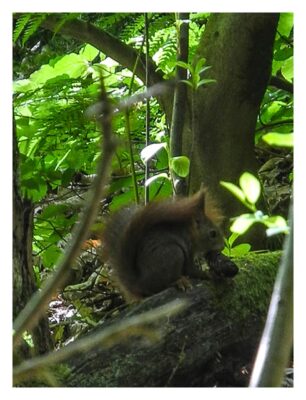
(209,343)
(239,47)
(23,277)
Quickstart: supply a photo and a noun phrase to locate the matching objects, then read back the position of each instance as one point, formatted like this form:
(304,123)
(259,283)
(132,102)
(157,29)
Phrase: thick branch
(87,33)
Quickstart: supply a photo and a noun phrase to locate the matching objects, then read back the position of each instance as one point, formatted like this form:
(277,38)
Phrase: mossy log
(212,342)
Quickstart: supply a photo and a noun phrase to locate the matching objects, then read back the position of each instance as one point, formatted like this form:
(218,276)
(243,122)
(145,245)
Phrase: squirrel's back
(151,247)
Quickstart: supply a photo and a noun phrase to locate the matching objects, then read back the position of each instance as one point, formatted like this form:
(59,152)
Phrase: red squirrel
(152,247)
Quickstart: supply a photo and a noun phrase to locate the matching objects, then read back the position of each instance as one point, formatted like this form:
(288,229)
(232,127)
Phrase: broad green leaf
(50,256)
(148,152)
(44,73)
(54,210)
(242,223)
(285,24)
(234,189)
(180,165)
(24,85)
(156,177)
(240,250)
(279,139)
(72,64)
(250,186)
(89,52)
(226,251)
(122,200)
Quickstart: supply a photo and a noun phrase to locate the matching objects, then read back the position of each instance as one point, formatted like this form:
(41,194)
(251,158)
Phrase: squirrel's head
(206,224)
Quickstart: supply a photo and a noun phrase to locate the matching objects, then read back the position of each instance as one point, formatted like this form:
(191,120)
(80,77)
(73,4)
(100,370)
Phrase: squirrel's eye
(213,233)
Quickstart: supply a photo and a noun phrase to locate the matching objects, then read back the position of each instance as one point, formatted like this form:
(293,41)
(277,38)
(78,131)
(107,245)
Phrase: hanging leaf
(148,152)
(156,177)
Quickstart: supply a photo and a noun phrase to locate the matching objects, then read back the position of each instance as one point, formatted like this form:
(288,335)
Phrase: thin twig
(277,339)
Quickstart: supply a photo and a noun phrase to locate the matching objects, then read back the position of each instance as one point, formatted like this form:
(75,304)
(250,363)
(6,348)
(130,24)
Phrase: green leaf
(180,165)
(24,85)
(54,210)
(21,23)
(287,69)
(234,189)
(89,52)
(232,238)
(206,82)
(199,65)
(183,65)
(44,73)
(72,64)
(51,256)
(279,139)
(156,177)
(243,223)
(204,69)
(240,250)
(122,200)
(250,186)
(276,221)
(285,24)
(189,83)
(148,152)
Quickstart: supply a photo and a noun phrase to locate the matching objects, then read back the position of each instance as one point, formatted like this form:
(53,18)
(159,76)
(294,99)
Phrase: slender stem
(147,165)
(276,342)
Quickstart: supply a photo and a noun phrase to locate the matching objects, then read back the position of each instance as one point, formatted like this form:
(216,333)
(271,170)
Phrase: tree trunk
(23,277)
(209,343)
(239,47)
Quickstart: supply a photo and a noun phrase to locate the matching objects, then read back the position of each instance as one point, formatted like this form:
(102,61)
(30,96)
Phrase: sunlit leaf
(180,165)
(89,52)
(234,189)
(148,152)
(156,177)
(242,223)
(250,186)
(279,139)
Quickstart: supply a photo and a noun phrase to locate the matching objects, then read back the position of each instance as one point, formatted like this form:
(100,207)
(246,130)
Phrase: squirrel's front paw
(183,283)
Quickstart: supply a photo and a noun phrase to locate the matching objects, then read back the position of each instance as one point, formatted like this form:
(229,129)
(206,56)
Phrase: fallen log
(212,342)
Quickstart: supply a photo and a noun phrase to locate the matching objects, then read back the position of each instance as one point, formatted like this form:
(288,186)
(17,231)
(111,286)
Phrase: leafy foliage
(57,79)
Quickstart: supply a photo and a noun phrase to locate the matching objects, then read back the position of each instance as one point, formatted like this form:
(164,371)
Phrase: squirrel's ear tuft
(201,196)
